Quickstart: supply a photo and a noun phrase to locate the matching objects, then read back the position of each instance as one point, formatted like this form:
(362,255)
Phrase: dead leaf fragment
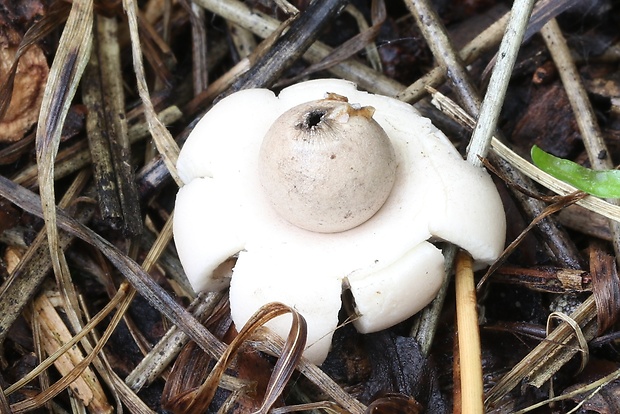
(55,334)
(30,79)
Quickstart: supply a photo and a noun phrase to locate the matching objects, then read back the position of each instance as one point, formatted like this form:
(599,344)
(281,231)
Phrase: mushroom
(326,165)
(312,206)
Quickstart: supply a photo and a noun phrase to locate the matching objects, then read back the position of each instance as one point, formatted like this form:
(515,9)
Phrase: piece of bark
(54,334)
(545,279)
(107,131)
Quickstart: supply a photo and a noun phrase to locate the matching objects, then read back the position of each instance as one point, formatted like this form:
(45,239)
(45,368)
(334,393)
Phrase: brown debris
(548,122)
(30,80)
(545,279)
(54,334)
(606,288)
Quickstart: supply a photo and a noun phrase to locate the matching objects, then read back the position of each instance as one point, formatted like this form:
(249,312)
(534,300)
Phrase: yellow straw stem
(468,336)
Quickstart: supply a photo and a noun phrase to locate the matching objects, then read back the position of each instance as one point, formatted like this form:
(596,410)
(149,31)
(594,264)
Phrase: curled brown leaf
(28,78)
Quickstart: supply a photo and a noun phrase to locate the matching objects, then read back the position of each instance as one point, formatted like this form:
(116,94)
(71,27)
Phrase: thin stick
(592,203)
(471,383)
(438,40)
(472,394)
(494,98)
(467,319)
(292,45)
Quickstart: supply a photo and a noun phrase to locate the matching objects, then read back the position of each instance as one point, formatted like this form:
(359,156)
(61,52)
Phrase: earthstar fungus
(309,210)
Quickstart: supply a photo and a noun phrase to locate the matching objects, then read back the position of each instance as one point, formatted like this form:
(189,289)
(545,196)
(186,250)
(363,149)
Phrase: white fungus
(388,261)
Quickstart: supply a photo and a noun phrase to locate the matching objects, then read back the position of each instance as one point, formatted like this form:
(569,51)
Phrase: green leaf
(601,183)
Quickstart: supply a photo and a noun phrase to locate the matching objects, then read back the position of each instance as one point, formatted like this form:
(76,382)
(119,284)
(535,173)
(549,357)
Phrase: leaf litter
(62,264)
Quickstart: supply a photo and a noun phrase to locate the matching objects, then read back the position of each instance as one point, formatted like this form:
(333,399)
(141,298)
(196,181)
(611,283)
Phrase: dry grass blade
(595,387)
(377,13)
(283,369)
(552,209)
(65,73)
(162,354)
(166,145)
(4,404)
(289,358)
(606,288)
(272,344)
(581,339)
(35,264)
(328,406)
(548,356)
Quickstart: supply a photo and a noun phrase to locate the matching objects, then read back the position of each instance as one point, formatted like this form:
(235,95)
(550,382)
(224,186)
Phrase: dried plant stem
(35,264)
(438,40)
(584,113)
(443,50)
(168,347)
(592,203)
(67,68)
(166,146)
(551,354)
(470,52)
(468,336)
(102,93)
(263,25)
(304,30)
(494,98)
(425,322)
(77,157)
